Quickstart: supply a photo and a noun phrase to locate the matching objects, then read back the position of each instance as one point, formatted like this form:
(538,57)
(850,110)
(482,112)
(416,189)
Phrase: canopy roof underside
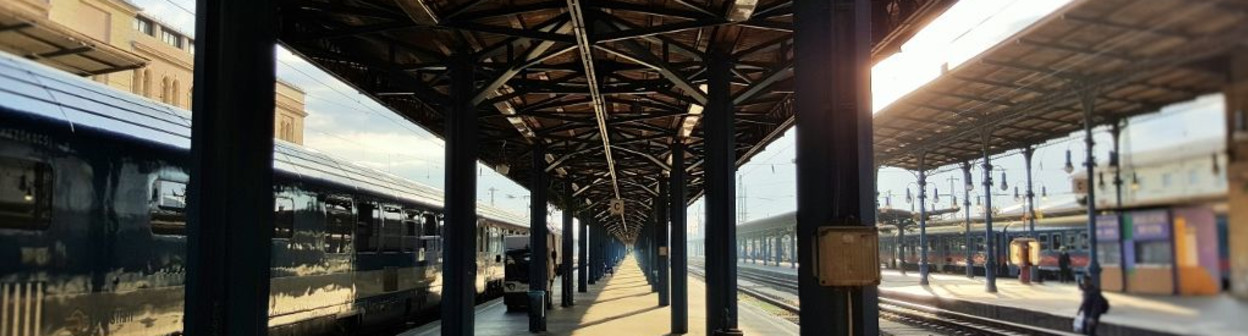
(607,131)
(1131,57)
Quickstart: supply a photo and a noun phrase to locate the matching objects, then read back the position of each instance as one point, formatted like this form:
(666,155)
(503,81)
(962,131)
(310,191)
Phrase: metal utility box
(1024,247)
(848,256)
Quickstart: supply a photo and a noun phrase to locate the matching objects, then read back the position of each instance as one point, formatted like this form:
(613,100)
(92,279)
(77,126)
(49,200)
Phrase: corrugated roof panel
(37,90)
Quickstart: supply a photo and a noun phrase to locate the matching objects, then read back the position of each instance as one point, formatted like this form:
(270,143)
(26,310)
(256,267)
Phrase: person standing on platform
(1094,305)
(1063,266)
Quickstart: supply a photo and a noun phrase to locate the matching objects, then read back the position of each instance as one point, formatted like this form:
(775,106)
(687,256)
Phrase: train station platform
(619,304)
(1054,305)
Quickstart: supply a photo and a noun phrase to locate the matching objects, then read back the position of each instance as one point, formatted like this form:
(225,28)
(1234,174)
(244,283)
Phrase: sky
(344,123)
(352,126)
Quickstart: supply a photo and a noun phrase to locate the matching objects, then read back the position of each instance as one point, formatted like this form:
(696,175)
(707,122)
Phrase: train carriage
(93,224)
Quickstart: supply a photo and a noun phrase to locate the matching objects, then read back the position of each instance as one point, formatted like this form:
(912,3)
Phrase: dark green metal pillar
(835,168)
(679,243)
(231,173)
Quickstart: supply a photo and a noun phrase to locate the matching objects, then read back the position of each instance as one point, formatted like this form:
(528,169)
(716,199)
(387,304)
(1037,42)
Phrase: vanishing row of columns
(768,248)
(231,168)
(1088,100)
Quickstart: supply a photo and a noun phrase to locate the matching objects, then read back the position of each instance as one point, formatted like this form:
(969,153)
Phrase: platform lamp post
(1088,100)
(1115,162)
(922,183)
(899,257)
(1028,152)
(990,260)
(966,211)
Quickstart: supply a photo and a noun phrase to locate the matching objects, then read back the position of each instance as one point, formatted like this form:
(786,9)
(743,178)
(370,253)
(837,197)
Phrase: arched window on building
(175,95)
(147,83)
(136,84)
(286,128)
(164,90)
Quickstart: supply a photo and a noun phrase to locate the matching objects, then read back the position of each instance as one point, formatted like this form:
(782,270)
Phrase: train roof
(39,91)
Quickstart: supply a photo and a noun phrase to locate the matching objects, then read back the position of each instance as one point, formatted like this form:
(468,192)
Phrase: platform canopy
(606,86)
(1134,56)
(35,37)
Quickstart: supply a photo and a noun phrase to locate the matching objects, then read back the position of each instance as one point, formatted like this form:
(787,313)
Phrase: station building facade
(113,42)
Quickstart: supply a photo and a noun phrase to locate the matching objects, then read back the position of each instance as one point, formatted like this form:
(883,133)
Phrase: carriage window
(411,223)
(1057,241)
(338,224)
(1083,241)
(431,225)
(1072,242)
(979,243)
(366,230)
(480,246)
(169,208)
(1044,241)
(392,229)
(25,194)
(283,217)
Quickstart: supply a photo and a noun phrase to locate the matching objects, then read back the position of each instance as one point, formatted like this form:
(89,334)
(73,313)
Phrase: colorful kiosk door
(1196,248)
(1152,271)
(1109,252)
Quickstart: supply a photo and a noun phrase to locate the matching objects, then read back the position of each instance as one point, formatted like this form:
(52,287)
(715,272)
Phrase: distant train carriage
(93,222)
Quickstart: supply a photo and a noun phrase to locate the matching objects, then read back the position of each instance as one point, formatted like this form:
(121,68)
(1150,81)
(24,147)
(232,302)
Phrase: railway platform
(619,304)
(1053,305)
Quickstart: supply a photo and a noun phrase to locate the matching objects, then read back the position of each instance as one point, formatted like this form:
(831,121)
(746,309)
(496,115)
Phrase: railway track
(927,317)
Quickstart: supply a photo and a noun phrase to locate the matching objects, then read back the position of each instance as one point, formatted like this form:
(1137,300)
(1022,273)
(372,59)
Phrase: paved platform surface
(1191,315)
(621,304)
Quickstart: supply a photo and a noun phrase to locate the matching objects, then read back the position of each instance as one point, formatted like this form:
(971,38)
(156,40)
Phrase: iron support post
(1028,153)
(720,170)
(922,219)
(538,232)
(582,257)
(459,233)
(901,246)
(1088,99)
(566,289)
(1116,131)
(679,242)
(660,238)
(966,224)
(990,255)
(793,249)
(230,200)
(835,184)
(595,251)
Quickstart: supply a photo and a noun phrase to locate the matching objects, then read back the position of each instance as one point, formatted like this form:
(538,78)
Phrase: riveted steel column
(660,237)
(793,249)
(1116,131)
(720,172)
(1088,98)
(1028,153)
(966,224)
(923,219)
(595,250)
(901,245)
(230,200)
(566,288)
(990,255)
(582,257)
(680,239)
(538,232)
(835,184)
(459,235)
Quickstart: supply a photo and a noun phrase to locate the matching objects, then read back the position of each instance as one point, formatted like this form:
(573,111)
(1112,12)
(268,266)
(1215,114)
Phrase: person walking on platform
(1094,305)
(1063,266)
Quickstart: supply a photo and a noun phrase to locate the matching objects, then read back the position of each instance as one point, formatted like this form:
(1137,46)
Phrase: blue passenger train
(93,222)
